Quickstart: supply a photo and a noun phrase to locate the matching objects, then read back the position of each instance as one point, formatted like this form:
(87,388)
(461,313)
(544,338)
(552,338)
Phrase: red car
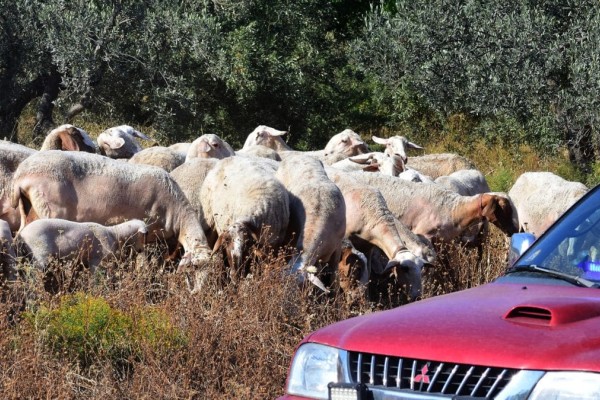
(533,333)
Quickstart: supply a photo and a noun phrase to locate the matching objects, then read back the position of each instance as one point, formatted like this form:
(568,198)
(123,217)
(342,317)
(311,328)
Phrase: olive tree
(530,60)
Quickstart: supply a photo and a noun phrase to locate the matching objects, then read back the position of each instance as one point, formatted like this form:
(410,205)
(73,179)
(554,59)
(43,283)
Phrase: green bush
(87,329)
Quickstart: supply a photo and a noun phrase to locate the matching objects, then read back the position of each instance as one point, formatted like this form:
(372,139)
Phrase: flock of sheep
(350,215)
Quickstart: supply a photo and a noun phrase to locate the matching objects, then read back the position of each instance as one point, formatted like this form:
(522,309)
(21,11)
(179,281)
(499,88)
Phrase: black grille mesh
(428,376)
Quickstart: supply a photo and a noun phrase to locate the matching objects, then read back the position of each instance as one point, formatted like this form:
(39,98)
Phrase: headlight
(314,366)
(567,386)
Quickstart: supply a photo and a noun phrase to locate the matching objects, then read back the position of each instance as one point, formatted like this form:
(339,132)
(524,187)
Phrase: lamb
(120,141)
(85,187)
(436,213)
(70,138)
(88,243)
(541,198)
(7,252)
(209,146)
(396,145)
(317,214)
(435,165)
(159,156)
(368,219)
(243,203)
(12,155)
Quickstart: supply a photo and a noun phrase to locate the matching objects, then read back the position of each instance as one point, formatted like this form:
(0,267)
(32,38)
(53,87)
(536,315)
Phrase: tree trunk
(581,148)
(12,105)
(44,120)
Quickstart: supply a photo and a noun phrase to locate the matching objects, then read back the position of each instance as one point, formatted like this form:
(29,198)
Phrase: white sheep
(438,164)
(372,162)
(159,156)
(120,141)
(85,187)
(259,151)
(317,214)
(88,243)
(466,182)
(346,143)
(12,155)
(437,213)
(369,219)
(181,147)
(209,146)
(243,203)
(541,198)
(412,175)
(68,137)
(7,252)
(397,145)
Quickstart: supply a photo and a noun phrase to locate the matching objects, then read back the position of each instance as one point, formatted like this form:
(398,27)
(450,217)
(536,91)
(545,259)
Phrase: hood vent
(530,315)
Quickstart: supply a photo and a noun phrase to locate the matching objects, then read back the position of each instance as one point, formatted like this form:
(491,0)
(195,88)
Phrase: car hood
(548,327)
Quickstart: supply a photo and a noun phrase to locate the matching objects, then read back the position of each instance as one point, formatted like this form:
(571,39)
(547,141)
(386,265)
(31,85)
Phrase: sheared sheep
(468,182)
(317,215)
(438,164)
(120,141)
(541,198)
(70,138)
(7,252)
(436,213)
(85,187)
(243,202)
(159,156)
(12,155)
(369,219)
(87,243)
(209,146)
(396,145)
(190,176)
(259,151)
(181,147)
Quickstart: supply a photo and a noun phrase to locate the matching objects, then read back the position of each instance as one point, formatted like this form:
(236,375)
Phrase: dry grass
(239,339)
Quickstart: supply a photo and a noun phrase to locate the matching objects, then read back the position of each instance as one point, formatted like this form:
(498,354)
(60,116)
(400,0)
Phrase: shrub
(87,328)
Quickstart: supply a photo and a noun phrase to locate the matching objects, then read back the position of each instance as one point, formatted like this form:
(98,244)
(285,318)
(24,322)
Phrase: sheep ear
(361,158)
(67,142)
(140,135)
(219,243)
(274,132)
(114,142)
(379,140)
(371,167)
(412,145)
(203,147)
(254,231)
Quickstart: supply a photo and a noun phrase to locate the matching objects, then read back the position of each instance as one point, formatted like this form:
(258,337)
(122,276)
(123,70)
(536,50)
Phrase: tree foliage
(530,61)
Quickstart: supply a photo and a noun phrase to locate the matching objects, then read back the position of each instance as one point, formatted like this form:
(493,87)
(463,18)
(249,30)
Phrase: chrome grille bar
(386,365)
(464,380)
(435,376)
(480,382)
(359,368)
(399,374)
(413,371)
(498,379)
(372,371)
(450,378)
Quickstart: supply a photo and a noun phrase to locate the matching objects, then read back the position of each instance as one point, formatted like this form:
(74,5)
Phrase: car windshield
(572,245)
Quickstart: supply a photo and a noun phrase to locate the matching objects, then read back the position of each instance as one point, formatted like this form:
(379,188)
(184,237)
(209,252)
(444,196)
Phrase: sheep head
(409,268)
(266,136)
(346,142)
(396,145)
(499,209)
(236,242)
(209,146)
(69,138)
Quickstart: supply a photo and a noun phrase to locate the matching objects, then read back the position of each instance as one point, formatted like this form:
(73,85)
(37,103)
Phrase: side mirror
(519,242)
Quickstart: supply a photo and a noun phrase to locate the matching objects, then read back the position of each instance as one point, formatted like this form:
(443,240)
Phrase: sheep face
(346,142)
(500,211)
(235,243)
(397,145)
(409,268)
(265,136)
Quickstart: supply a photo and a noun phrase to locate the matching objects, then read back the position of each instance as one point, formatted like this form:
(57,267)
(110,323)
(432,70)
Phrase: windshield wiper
(574,279)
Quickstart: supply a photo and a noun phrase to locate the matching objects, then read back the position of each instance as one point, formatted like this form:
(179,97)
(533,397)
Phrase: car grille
(428,376)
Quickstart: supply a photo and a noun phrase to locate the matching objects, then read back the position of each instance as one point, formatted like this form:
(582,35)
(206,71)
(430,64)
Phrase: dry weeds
(239,338)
